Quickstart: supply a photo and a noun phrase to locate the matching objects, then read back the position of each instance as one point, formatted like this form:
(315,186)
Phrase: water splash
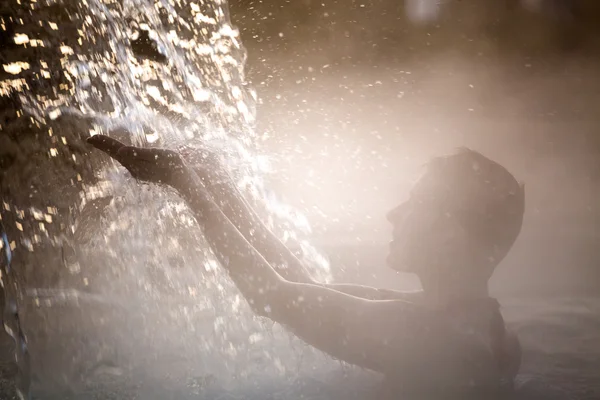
(10,318)
(195,94)
(183,84)
(198,90)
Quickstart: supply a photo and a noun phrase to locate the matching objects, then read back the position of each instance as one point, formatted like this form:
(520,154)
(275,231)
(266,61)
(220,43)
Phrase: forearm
(371,293)
(251,273)
(240,213)
(277,254)
(318,315)
(325,318)
(330,320)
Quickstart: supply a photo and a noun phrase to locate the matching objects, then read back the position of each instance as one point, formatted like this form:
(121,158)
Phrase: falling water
(152,72)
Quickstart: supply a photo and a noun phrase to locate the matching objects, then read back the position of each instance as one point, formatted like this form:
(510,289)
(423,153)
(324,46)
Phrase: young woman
(462,218)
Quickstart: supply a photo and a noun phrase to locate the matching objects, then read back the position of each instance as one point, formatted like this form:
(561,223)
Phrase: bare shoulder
(409,319)
(400,330)
(412,340)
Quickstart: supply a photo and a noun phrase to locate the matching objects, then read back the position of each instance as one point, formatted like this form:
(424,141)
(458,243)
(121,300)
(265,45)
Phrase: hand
(150,165)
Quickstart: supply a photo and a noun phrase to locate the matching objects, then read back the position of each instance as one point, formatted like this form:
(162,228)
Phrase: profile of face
(425,237)
(461,218)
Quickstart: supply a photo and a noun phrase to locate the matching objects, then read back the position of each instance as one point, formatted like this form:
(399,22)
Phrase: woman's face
(425,235)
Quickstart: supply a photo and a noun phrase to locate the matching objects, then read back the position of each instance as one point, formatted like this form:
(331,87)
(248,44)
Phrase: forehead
(462,184)
(450,185)
(431,186)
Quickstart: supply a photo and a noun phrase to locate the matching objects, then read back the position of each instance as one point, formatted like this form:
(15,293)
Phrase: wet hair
(482,195)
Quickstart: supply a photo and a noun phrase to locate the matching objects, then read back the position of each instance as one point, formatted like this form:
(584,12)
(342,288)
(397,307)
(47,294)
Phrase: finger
(145,154)
(106,144)
(128,155)
(155,165)
(155,159)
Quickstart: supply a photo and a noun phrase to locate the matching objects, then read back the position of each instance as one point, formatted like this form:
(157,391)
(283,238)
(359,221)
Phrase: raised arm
(221,186)
(344,326)
(371,334)
(226,195)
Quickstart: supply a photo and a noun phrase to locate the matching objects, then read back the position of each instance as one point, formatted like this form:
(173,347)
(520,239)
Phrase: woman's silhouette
(462,218)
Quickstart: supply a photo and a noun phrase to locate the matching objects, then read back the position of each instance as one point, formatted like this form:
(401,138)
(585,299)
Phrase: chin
(396,263)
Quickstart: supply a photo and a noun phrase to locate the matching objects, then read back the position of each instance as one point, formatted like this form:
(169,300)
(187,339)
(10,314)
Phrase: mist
(355,98)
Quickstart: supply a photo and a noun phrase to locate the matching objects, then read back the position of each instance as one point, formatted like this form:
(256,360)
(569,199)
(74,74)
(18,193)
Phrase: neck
(443,290)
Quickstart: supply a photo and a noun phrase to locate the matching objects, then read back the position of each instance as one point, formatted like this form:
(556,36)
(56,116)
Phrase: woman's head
(461,219)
